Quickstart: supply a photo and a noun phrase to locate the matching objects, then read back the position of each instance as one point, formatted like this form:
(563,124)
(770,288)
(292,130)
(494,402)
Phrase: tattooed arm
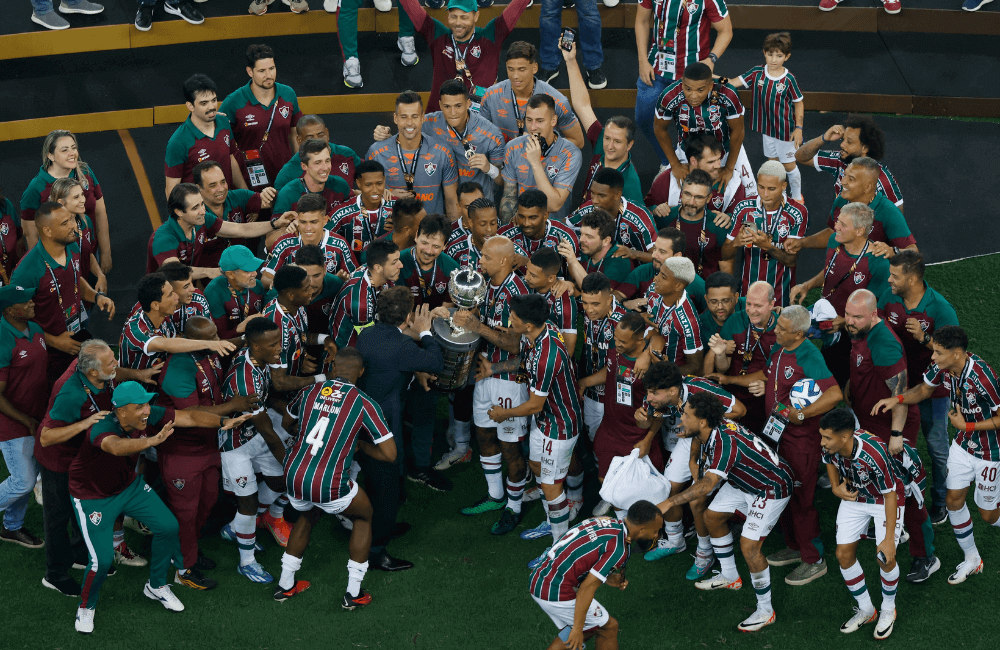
(897,384)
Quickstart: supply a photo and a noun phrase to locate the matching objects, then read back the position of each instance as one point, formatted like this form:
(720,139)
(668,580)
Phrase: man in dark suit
(391,357)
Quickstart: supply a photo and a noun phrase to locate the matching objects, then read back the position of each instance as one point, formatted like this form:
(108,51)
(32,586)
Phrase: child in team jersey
(778,109)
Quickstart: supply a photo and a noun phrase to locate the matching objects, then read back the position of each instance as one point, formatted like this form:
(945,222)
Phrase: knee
(845,556)
(750,550)
(954,501)
(512,452)
(990,516)
(610,628)
(20,484)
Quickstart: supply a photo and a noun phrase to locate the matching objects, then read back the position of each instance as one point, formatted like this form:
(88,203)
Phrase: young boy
(776,97)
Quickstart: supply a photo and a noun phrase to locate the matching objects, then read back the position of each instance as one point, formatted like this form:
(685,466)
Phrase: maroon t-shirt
(188,380)
(875,359)
(24,363)
(73,399)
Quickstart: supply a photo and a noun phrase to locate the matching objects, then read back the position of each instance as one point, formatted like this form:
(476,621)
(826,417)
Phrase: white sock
(289,565)
(245,527)
(265,497)
(494,479)
(574,487)
(854,576)
(705,544)
(557,511)
(724,552)
(762,586)
(890,580)
(961,522)
(277,508)
(355,574)
(795,183)
(675,532)
(515,491)
(463,434)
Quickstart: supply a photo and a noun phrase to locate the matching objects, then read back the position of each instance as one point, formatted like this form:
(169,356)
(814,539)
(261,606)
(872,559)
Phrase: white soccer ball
(804,392)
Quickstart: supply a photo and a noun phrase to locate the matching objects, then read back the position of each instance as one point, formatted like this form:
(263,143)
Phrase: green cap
(130,392)
(470,6)
(14,295)
(239,258)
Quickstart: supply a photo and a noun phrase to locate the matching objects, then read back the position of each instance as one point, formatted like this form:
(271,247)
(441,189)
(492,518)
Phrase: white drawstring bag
(630,479)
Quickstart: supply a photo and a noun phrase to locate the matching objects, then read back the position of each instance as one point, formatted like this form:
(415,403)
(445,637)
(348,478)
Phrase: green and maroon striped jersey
(495,313)
(711,116)
(844,273)
(133,348)
(551,375)
(830,161)
(747,462)
(598,338)
(596,546)
(563,312)
(869,469)
(337,252)
(428,287)
(294,328)
(678,324)
(354,309)
(671,415)
(704,239)
(976,393)
(360,226)
(681,33)
(246,377)
(332,417)
(555,231)
(634,227)
(790,221)
(773,102)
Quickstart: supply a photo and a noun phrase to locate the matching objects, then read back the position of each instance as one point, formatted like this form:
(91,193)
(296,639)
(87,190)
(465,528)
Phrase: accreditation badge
(255,168)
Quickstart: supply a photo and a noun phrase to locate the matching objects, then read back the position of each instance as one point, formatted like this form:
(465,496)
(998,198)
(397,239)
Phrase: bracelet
(320,338)
(99,294)
(320,379)
(900,398)
(714,57)
(493,171)
(970,427)
(896,434)
(797,127)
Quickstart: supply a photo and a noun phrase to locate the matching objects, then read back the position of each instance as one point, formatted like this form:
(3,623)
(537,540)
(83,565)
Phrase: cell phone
(567,38)
(881,557)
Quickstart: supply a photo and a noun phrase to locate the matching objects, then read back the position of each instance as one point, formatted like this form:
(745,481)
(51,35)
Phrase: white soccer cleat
(964,570)
(84,620)
(757,620)
(534,493)
(574,509)
(345,522)
(128,557)
(352,73)
(454,457)
(861,617)
(137,526)
(408,47)
(717,581)
(383,5)
(886,621)
(164,596)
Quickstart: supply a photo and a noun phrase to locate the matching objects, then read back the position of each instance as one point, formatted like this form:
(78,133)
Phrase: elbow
(45,437)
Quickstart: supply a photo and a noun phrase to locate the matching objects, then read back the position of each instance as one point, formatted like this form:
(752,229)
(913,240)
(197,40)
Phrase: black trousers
(62,548)
(382,486)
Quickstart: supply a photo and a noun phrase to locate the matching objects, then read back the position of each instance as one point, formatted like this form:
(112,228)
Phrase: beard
(849,158)
(858,334)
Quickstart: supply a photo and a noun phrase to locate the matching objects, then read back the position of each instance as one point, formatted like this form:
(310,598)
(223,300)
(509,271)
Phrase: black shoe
(690,531)
(569,4)
(21,536)
(353,602)
(508,521)
(204,562)
(939,515)
(548,75)
(430,478)
(484,3)
(385,562)
(596,79)
(144,18)
(113,569)
(434,4)
(195,579)
(399,529)
(922,567)
(65,585)
(186,11)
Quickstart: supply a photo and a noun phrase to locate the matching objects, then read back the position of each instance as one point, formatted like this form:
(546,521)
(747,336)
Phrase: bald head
(761,291)
(864,299)
(499,247)
(199,328)
(497,260)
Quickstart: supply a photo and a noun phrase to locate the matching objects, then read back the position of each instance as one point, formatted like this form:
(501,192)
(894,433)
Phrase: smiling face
(65,154)
(758,306)
(694,198)
(536,278)
(596,305)
(319,166)
(75,201)
(710,163)
(521,73)
(263,74)
(532,221)
(462,23)
(663,249)
(311,131)
(483,225)
(214,187)
(616,145)
(134,416)
(850,145)
(628,342)
(844,230)
(62,227)
(184,290)
(409,118)
(428,248)
(372,187)
(194,211)
(311,224)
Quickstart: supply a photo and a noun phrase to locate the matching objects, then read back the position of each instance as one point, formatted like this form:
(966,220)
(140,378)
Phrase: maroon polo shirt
(24,365)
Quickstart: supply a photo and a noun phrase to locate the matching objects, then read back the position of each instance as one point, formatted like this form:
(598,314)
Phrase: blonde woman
(68,192)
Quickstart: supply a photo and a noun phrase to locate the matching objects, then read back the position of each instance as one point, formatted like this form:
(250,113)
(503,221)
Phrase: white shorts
(964,468)
(507,394)
(742,170)
(853,519)
(762,513)
(593,413)
(553,455)
(783,151)
(678,468)
(240,466)
(286,438)
(562,611)
(331,507)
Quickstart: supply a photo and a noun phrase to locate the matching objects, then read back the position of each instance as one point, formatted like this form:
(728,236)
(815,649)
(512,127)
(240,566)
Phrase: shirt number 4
(317,434)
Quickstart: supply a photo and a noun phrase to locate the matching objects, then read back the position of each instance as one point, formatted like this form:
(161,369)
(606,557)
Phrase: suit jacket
(391,358)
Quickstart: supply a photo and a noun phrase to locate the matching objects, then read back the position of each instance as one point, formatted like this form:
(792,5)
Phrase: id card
(477,97)
(776,423)
(73,323)
(255,170)
(666,61)
(624,393)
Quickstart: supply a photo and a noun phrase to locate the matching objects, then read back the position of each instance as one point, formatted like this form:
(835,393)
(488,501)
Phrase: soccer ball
(804,392)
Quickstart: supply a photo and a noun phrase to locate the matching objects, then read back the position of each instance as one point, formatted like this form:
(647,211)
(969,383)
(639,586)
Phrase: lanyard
(409,172)
(748,349)
(245,307)
(267,131)
(3,262)
(518,117)
(702,238)
(958,392)
(55,283)
(662,17)
(425,286)
(211,389)
(833,260)
(463,138)
(777,368)
(97,409)
(460,65)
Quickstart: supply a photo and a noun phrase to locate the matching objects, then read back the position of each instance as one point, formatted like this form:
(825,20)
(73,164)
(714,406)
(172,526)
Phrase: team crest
(860,359)
(789,371)
(498,309)
(283,111)
(717,201)
(179,483)
(780,86)
(4,229)
(475,51)
(714,113)
(441,287)
(242,481)
(430,168)
(551,171)
(95,518)
(783,229)
(859,277)
(344,168)
(692,8)
(623,233)
(226,138)
(863,476)
(972,446)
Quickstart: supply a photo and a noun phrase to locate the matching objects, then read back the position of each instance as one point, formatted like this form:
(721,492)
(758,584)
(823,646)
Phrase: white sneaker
(38,491)
(408,48)
(886,621)
(84,620)
(137,526)
(534,493)
(454,457)
(904,537)
(601,508)
(164,596)
(345,522)
(757,620)
(383,5)
(964,570)
(717,581)
(128,557)
(861,617)
(331,6)
(352,73)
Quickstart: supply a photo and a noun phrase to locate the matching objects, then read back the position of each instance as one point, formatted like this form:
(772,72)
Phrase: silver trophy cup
(467,289)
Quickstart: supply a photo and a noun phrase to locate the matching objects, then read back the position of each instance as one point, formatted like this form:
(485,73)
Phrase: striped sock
(245,527)
(705,544)
(494,481)
(961,522)
(557,511)
(289,565)
(277,508)
(675,532)
(515,490)
(727,559)
(854,576)
(890,580)
(762,586)
(795,184)
(119,538)
(574,487)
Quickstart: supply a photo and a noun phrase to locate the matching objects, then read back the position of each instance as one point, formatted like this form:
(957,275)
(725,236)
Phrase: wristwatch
(801,416)
(927,338)
(715,59)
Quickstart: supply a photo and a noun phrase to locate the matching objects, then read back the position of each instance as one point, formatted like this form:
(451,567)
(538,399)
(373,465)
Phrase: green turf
(469,589)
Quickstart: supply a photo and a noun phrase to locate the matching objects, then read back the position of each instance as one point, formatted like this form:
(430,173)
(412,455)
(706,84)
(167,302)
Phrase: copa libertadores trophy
(467,288)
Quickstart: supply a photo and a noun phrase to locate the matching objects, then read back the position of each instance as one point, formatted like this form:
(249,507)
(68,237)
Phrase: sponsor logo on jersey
(430,168)
(760,84)
(23,354)
(95,518)
(447,51)
(178,483)
(283,111)
(789,371)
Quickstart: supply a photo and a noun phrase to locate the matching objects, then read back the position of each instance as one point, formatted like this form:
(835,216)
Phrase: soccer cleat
(454,457)
(702,563)
(353,602)
(430,478)
(280,528)
(974,5)
(84,620)
(137,526)
(806,573)
(227,533)
(164,596)
(507,522)
(255,572)
(601,508)
(128,557)
(904,537)
(757,620)
(784,557)
(195,579)
(486,504)
(345,522)
(922,568)
(664,549)
(861,617)
(886,621)
(574,508)
(537,562)
(828,5)
(407,46)
(717,581)
(352,73)
(281,595)
(543,529)
(964,570)
(534,493)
